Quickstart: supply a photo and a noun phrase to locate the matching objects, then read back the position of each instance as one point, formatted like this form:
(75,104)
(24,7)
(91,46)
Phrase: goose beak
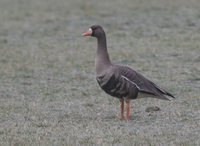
(88,32)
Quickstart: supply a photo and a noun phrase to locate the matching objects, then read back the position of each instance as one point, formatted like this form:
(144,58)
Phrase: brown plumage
(121,81)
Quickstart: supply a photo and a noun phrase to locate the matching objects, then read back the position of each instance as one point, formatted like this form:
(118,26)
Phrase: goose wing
(117,85)
(143,84)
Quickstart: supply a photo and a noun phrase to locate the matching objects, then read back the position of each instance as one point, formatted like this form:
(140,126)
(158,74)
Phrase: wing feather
(143,84)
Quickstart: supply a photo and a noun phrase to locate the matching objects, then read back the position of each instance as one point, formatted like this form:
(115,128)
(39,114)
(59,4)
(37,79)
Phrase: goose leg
(127,110)
(122,109)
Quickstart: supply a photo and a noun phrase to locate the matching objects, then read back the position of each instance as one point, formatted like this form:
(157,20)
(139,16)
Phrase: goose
(121,81)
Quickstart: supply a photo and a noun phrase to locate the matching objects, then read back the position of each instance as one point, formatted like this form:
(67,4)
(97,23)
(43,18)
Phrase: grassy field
(48,92)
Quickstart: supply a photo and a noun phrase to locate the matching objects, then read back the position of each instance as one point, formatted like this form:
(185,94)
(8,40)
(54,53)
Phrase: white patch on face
(90,30)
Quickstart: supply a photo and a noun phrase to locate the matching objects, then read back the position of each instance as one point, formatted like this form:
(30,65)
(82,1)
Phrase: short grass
(48,92)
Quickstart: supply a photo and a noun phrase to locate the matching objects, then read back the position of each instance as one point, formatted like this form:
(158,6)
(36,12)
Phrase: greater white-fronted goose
(121,81)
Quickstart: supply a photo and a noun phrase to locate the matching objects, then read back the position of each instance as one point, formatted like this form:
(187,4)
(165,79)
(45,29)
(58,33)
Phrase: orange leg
(127,110)
(122,109)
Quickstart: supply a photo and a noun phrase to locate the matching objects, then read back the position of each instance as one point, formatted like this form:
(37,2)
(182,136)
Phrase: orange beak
(88,32)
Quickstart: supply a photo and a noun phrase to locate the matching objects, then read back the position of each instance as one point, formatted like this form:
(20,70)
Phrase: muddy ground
(48,92)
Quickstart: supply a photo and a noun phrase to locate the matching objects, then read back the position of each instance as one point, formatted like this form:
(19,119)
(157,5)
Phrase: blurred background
(48,91)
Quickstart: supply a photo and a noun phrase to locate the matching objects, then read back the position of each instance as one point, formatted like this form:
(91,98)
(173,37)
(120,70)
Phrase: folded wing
(143,84)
